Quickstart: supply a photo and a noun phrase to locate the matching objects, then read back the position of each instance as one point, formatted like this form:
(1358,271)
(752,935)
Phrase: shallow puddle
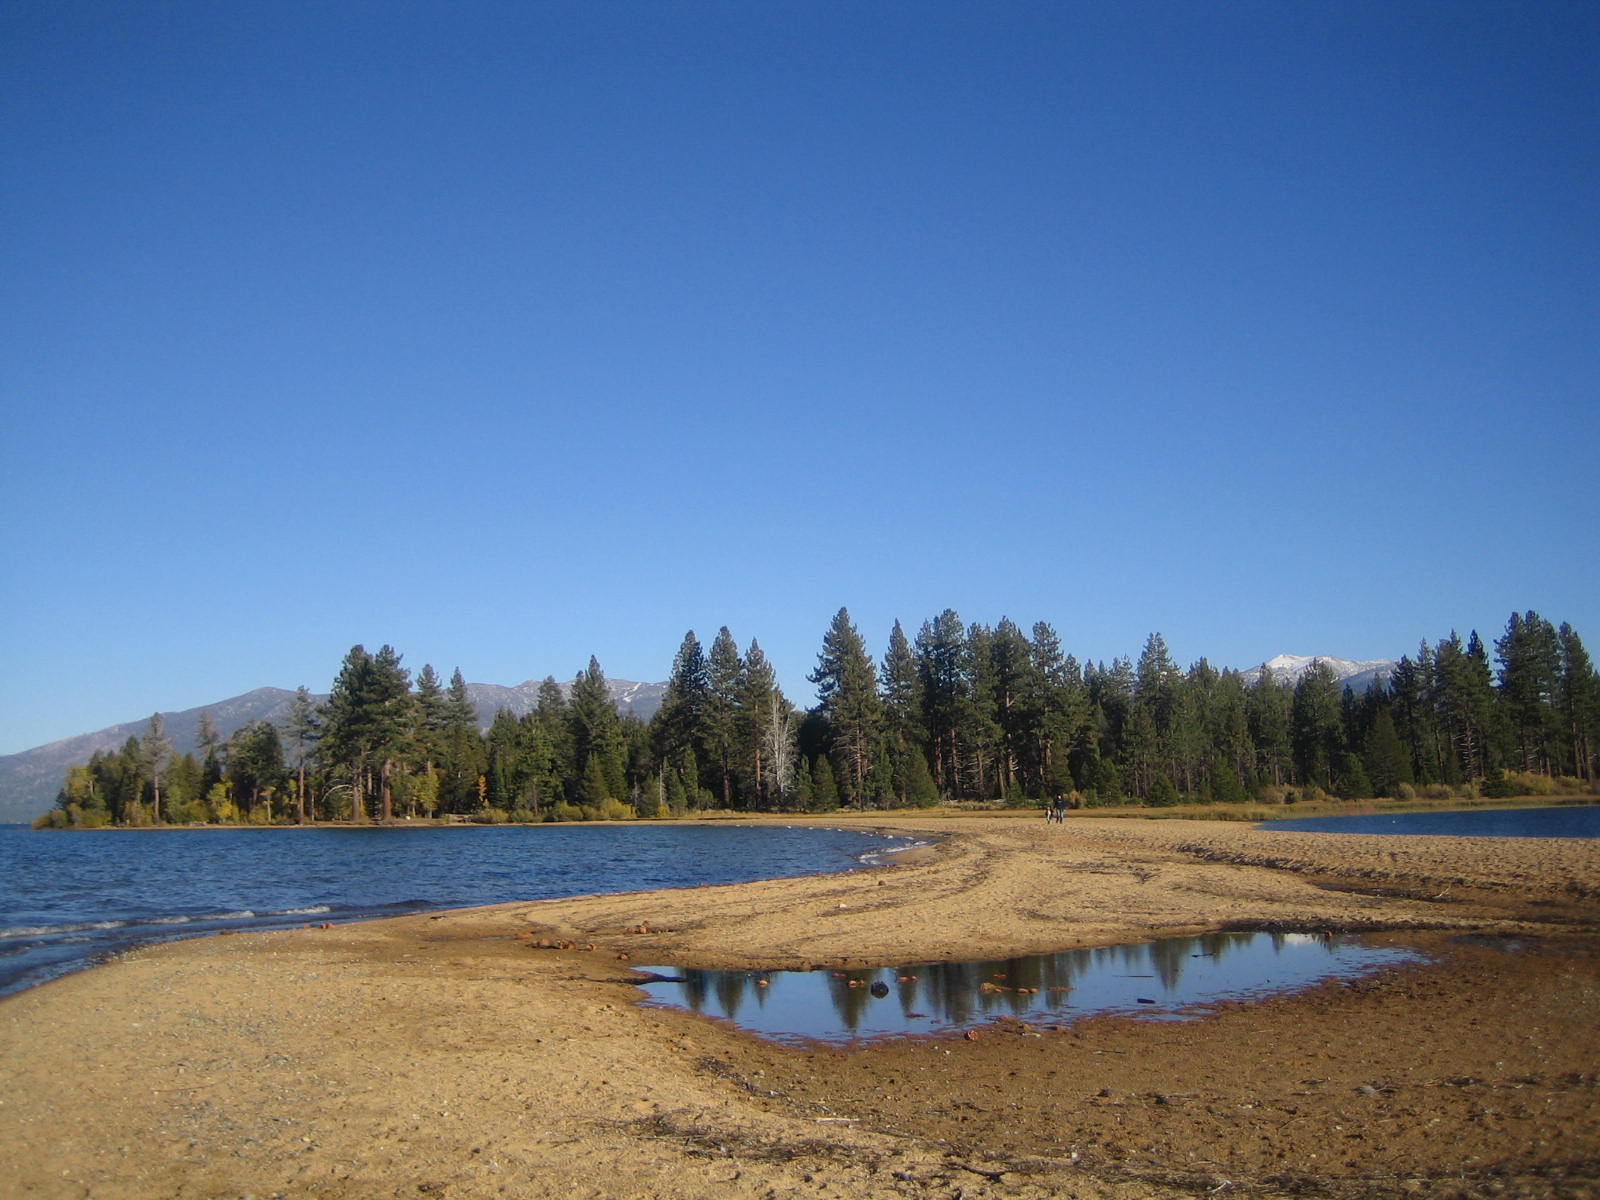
(1165,979)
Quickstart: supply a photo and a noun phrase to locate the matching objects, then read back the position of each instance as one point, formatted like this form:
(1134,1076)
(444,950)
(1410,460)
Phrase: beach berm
(502,1052)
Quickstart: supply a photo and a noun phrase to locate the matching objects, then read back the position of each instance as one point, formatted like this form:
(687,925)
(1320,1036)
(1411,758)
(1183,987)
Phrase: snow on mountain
(1357,676)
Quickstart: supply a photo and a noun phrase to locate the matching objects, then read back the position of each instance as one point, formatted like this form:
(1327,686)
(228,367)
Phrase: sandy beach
(474,1054)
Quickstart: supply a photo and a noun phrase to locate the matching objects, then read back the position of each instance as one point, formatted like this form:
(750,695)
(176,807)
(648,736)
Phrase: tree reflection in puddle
(1162,979)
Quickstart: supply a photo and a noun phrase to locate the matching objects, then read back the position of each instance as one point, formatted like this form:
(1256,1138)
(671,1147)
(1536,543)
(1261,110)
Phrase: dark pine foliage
(962,712)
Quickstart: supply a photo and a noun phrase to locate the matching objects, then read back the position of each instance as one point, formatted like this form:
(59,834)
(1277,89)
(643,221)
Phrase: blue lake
(1566,821)
(69,898)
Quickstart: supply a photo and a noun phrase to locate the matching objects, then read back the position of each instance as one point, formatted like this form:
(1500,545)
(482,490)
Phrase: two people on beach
(1057,812)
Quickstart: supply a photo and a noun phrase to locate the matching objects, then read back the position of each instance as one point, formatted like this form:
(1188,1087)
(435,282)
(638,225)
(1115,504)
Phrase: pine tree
(597,732)
(594,789)
(460,749)
(847,692)
(303,728)
(154,750)
(980,765)
(1388,765)
(764,733)
(677,728)
(1352,782)
(556,736)
(1016,695)
(1578,698)
(1112,694)
(1057,710)
(941,671)
(1317,726)
(208,745)
(824,785)
(183,791)
(368,719)
(1151,749)
(255,766)
(430,713)
(1410,689)
(391,696)
(1233,761)
(503,752)
(1530,682)
(904,734)
(1465,703)
(719,718)
(122,780)
(1190,742)
(1268,711)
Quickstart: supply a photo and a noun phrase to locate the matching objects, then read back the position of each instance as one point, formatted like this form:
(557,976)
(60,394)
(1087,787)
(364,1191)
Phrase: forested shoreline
(959,713)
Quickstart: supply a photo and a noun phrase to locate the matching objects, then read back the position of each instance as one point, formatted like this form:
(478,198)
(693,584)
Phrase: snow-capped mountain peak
(1359,676)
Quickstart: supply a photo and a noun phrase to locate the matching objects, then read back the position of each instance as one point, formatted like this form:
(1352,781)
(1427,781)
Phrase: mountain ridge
(1357,676)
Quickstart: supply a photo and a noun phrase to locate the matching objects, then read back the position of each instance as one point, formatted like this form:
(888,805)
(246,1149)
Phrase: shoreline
(1251,812)
(446,1054)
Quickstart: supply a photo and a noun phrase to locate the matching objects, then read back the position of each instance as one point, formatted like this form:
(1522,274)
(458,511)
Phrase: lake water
(1567,821)
(1166,979)
(69,898)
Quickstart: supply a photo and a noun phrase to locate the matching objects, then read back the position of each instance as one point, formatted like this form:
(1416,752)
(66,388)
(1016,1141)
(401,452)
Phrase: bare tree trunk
(358,796)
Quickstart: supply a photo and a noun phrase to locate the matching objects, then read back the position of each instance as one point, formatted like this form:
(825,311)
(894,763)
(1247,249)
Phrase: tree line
(958,713)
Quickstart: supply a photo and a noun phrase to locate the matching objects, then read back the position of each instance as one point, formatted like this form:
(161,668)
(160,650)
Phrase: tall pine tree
(847,692)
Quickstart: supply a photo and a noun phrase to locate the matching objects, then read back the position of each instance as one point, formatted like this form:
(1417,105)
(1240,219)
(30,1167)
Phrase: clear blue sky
(512,333)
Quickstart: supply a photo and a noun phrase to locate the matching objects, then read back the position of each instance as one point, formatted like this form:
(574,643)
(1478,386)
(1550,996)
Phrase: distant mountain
(30,780)
(1357,676)
(640,699)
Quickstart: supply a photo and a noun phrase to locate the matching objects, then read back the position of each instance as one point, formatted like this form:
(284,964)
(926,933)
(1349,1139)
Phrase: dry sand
(452,1056)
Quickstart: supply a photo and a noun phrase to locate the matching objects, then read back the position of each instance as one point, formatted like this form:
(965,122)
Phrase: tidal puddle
(1165,979)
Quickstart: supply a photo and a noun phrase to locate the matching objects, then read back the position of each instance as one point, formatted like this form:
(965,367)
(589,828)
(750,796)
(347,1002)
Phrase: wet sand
(456,1056)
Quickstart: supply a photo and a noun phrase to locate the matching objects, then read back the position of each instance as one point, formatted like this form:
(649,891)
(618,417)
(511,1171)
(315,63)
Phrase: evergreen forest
(960,713)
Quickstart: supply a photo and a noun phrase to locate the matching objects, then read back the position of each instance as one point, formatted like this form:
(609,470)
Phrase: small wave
(18,932)
(877,856)
(204,918)
(314,910)
(405,906)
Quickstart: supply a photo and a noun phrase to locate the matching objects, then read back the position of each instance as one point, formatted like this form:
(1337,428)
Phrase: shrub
(489,816)
(521,816)
(564,812)
(1162,793)
(1273,793)
(1226,788)
(1406,792)
(1499,786)
(1436,791)
(1534,784)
